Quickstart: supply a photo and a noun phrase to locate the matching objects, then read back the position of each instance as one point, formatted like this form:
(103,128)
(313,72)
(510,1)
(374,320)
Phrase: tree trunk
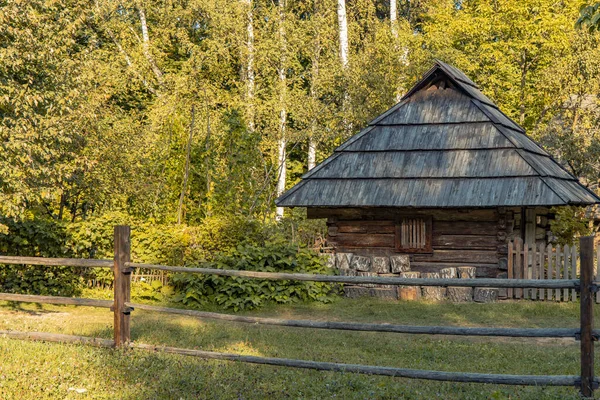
(312,142)
(343,32)
(146,46)
(394,17)
(250,64)
(523,81)
(186,171)
(281,144)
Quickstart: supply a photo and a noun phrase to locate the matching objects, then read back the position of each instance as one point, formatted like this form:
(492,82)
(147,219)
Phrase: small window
(413,235)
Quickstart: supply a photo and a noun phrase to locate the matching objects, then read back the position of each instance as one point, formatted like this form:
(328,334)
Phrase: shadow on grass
(138,374)
(169,376)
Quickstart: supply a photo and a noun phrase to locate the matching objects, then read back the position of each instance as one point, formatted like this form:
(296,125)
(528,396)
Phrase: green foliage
(154,290)
(40,238)
(242,294)
(570,223)
(589,17)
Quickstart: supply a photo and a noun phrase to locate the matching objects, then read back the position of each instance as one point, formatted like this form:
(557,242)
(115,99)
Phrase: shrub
(36,237)
(241,293)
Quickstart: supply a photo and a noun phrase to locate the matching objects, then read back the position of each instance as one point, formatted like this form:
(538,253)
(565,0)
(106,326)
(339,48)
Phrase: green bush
(36,237)
(241,293)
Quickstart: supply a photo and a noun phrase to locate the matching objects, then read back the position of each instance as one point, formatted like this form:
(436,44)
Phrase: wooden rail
(354,326)
(501,379)
(378,280)
(62,262)
(74,301)
(122,308)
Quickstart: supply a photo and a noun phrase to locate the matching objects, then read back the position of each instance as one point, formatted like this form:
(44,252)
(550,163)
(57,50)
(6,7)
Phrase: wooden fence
(536,261)
(122,309)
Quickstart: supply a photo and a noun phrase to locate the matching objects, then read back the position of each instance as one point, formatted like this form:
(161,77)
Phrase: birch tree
(281,143)
(250,79)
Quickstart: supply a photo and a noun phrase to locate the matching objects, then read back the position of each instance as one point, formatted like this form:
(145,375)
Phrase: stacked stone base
(349,264)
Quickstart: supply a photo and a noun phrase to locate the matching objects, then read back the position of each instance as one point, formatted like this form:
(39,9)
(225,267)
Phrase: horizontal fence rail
(367,327)
(378,280)
(500,379)
(527,279)
(74,301)
(59,262)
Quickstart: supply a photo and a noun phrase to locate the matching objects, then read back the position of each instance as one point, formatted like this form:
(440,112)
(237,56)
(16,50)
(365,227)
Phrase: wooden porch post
(587,316)
(122,285)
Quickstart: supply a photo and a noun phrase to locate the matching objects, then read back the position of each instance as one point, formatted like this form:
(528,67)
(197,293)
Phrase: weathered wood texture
(458,237)
(122,285)
(354,326)
(57,337)
(66,262)
(536,261)
(75,301)
(587,316)
(376,280)
(442,146)
(534,380)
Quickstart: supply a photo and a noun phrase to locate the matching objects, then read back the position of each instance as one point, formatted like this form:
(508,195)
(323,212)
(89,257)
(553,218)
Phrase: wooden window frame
(428,236)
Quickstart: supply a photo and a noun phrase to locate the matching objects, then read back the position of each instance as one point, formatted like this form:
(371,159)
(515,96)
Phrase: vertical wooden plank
(122,285)
(550,270)
(566,269)
(526,268)
(541,269)
(510,267)
(597,271)
(534,268)
(587,315)
(557,268)
(518,265)
(573,270)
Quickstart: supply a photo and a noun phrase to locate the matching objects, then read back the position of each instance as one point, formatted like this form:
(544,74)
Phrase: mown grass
(32,370)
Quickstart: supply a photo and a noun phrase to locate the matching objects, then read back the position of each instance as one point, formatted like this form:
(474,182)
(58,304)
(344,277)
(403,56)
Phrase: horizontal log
(354,326)
(57,337)
(75,301)
(480,228)
(358,240)
(471,256)
(66,262)
(535,380)
(278,276)
(381,213)
(456,241)
(365,227)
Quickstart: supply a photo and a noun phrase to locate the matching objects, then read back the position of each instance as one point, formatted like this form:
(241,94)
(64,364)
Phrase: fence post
(587,315)
(122,284)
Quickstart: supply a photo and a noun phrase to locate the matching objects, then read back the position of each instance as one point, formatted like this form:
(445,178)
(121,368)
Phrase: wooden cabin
(444,176)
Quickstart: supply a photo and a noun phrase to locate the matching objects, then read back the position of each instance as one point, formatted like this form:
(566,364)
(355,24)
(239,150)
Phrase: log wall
(460,237)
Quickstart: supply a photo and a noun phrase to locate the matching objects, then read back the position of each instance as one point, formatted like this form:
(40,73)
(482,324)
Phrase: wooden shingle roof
(445,144)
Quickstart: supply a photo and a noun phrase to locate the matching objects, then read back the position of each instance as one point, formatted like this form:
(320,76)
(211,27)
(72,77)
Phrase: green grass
(33,370)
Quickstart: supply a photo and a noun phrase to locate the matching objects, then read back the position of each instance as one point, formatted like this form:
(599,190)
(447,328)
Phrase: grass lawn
(33,370)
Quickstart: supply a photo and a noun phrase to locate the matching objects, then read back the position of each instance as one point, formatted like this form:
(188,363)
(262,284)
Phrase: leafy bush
(36,237)
(241,293)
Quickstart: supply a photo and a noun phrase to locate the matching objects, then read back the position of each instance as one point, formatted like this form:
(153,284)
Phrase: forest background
(187,118)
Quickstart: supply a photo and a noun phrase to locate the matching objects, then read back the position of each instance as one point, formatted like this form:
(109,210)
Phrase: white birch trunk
(343,32)
(281,143)
(146,46)
(250,64)
(394,17)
